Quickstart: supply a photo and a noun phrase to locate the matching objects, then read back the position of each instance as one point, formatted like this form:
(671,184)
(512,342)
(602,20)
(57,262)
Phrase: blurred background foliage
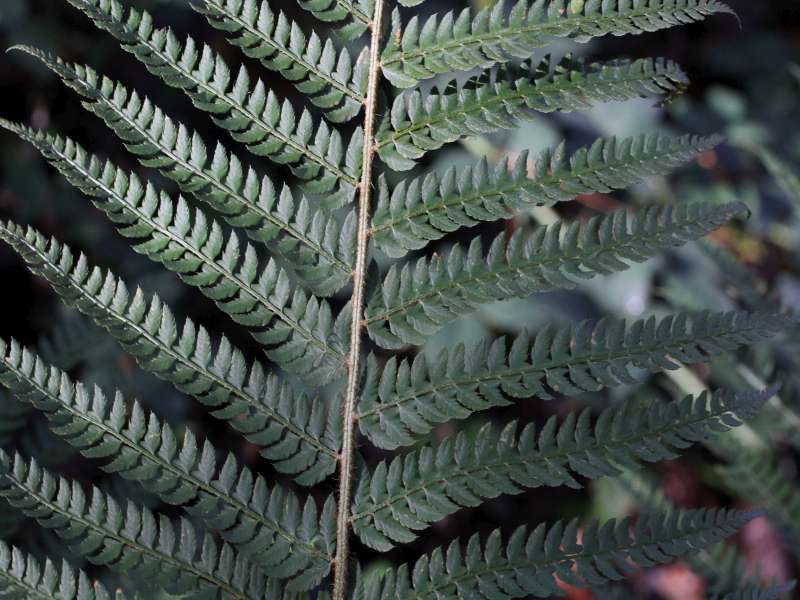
(745,84)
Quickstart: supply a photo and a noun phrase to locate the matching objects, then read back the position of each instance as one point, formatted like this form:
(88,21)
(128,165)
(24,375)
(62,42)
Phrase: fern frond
(420,122)
(409,397)
(494,35)
(418,299)
(758,593)
(22,577)
(71,341)
(427,208)
(298,328)
(722,567)
(318,249)
(270,526)
(251,113)
(529,563)
(292,431)
(128,539)
(400,498)
(323,74)
(357,14)
(758,478)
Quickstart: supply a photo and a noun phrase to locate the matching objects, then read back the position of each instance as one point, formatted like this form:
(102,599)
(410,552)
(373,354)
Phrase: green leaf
(356,14)
(530,561)
(22,577)
(250,112)
(418,299)
(408,397)
(293,431)
(263,523)
(403,497)
(319,249)
(298,329)
(421,122)
(322,73)
(463,41)
(427,208)
(128,539)
(757,477)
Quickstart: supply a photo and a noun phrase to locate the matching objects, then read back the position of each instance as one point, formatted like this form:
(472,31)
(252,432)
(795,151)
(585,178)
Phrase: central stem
(357,303)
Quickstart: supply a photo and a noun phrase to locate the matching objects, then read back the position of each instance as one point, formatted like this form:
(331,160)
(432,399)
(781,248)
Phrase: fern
(424,209)
(188,242)
(127,538)
(269,524)
(252,113)
(413,303)
(723,568)
(419,123)
(528,563)
(462,42)
(327,75)
(24,577)
(430,483)
(320,249)
(337,365)
(294,432)
(402,398)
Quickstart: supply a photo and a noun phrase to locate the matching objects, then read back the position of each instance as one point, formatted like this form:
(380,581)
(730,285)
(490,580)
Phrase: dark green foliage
(424,209)
(424,486)
(417,299)
(404,398)
(419,123)
(526,565)
(24,578)
(228,529)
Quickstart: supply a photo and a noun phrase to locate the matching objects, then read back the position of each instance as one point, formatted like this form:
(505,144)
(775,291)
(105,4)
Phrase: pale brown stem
(359,291)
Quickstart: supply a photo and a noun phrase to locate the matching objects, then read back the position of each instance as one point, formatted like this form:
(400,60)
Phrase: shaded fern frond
(418,299)
(527,565)
(427,208)
(326,76)
(723,568)
(22,577)
(318,249)
(759,593)
(408,397)
(251,113)
(295,433)
(494,35)
(421,122)
(270,526)
(128,539)
(755,476)
(403,497)
(298,328)
(356,14)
